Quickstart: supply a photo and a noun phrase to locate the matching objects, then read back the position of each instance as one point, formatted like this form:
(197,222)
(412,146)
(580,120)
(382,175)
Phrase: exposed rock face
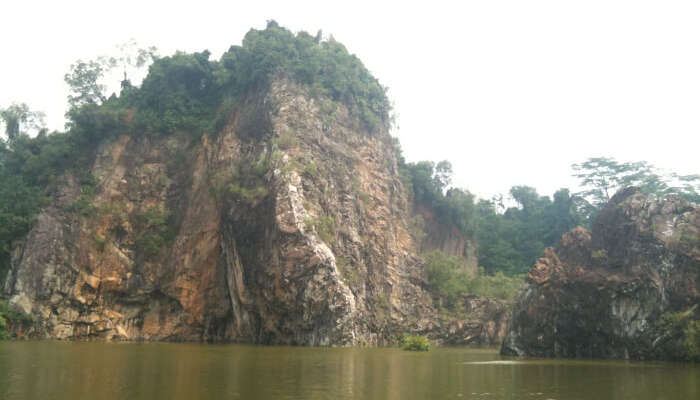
(480,321)
(447,238)
(288,227)
(603,294)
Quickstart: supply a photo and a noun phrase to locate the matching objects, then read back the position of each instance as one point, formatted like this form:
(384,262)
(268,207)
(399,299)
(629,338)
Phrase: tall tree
(512,241)
(19,118)
(601,177)
(83,81)
(129,58)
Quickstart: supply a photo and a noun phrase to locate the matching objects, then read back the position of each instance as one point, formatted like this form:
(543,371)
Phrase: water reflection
(56,370)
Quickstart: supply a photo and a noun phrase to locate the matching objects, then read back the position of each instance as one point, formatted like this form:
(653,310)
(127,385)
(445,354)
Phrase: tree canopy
(512,241)
(602,177)
(19,119)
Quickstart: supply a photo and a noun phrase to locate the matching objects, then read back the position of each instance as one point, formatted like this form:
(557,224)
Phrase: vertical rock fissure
(236,285)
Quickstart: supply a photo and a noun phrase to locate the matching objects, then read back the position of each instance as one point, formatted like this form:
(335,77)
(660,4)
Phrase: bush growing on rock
(415,343)
(10,316)
(682,324)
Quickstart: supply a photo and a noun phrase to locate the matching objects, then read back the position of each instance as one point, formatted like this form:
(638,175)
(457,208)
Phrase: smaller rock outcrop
(480,321)
(628,290)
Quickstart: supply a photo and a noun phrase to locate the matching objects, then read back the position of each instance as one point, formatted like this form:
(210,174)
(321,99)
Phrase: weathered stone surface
(478,321)
(446,237)
(602,294)
(317,251)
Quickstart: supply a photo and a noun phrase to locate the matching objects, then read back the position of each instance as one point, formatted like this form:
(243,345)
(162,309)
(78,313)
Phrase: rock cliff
(447,238)
(288,227)
(627,290)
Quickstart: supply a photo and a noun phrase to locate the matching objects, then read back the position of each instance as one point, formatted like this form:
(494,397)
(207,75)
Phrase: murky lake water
(107,371)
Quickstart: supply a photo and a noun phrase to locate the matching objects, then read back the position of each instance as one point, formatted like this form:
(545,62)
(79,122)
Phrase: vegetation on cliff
(510,239)
(685,328)
(626,289)
(182,92)
(191,94)
(449,282)
(9,316)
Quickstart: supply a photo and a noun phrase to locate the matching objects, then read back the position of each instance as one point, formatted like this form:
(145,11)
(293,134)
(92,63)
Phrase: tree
(602,177)
(511,241)
(84,78)
(527,198)
(458,206)
(443,174)
(688,186)
(130,57)
(83,82)
(19,119)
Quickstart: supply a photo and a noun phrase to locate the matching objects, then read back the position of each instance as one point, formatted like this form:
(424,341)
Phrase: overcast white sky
(511,92)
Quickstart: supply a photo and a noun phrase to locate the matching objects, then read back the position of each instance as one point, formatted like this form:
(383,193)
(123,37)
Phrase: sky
(511,92)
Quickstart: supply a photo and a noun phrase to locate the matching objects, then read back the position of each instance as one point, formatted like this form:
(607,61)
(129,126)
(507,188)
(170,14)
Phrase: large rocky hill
(289,226)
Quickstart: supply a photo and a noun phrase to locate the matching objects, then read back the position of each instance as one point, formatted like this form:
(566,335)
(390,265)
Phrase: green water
(105,371)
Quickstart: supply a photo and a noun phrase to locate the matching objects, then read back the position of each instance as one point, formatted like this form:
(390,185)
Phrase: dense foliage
(28,171)
(602,177)
(510,240)
(428,183)
(8,316)
(683,325)
(18,118)
(449,281)
(190,92)
(513,240)
(415,343)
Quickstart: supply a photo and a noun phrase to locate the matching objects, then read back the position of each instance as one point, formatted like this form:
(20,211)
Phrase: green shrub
(448,280)
(248,180)
(156,227)
(311,171)
(692,340)
(415,343)
(599,255)
(682,324)
(285,142)
(7,315)
(83,206)
(324,227)
(250,195)
(3,328)
(347,271)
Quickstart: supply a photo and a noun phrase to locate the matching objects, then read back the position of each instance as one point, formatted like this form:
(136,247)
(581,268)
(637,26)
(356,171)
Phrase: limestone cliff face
(605,293)
(288,227)
(446,237)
